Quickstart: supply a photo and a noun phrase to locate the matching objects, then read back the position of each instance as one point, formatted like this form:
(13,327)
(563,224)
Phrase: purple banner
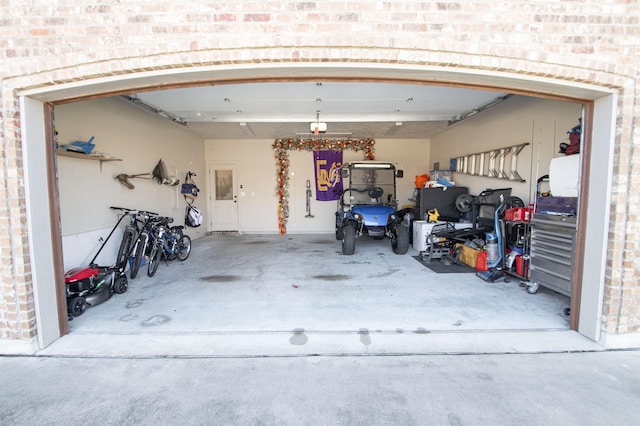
(328,180)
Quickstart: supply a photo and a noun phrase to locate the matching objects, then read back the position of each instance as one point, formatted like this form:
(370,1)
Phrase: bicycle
(145,243)
(131,236)
(170,243)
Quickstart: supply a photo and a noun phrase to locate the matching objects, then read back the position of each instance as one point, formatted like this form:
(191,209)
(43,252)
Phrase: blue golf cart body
(368,206)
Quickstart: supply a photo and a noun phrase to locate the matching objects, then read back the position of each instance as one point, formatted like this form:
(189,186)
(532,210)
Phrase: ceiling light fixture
(159,112)
(318,127)
(245,128)
(326,134)
(458,118)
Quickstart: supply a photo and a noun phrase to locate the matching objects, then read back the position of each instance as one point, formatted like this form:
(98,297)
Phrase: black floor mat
(441,268)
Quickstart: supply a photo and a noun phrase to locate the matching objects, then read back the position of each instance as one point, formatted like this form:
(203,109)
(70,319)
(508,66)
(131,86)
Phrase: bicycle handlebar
(124,209)
(165,220)
(134,211)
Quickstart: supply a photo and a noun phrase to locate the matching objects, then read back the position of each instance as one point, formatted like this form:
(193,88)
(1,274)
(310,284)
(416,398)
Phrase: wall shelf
(82,156)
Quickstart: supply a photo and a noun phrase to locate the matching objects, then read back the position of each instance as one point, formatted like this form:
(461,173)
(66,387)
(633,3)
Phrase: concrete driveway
(587,388)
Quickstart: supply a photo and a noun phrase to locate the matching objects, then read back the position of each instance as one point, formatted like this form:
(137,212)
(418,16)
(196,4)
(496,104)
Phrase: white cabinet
(422,228)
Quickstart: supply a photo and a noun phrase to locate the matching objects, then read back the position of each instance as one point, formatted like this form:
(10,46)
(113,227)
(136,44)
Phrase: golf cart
(368,206)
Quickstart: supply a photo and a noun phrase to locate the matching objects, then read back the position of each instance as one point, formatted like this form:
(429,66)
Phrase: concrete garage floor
(262,295)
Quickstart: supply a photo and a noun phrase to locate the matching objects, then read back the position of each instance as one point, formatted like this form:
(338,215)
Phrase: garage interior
(243,276)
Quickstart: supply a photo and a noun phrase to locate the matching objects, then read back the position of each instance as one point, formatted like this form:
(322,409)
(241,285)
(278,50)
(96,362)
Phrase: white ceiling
(286,109)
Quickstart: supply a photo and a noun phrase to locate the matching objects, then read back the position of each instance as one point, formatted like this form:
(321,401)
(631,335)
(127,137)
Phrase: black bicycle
(139,220)
(168,243)
(145,244)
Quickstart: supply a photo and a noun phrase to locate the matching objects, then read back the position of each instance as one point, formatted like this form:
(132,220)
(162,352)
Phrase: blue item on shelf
(86,147)
(444,181)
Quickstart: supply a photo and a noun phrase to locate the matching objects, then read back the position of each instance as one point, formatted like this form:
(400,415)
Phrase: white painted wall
(256,173)
(541,122)
(258,209)
(140,139)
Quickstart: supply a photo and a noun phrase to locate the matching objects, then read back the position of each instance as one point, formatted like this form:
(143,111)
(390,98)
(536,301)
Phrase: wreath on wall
(282,148)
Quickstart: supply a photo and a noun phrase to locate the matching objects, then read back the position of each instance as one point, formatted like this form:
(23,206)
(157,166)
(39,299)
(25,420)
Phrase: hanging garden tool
(159,174)
(124,179)
(309,199)
(162,177)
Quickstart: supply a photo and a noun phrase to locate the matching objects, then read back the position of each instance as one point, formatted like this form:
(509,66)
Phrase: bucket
(421,180)
(522,266)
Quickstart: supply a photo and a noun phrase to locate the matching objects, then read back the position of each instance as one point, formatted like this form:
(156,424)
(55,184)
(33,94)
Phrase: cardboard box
(468,256)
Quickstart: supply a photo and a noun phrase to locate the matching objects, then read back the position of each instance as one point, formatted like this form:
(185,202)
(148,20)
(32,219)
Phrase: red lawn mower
(92,285)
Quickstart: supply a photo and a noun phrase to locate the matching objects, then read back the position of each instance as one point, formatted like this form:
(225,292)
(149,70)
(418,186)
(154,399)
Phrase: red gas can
(522,266)
(481,262)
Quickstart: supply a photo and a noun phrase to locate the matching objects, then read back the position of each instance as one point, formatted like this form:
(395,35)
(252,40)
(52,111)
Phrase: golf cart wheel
(77,306)
(400,241)
(349,240)
(121,285)
(339,231)
(533,288)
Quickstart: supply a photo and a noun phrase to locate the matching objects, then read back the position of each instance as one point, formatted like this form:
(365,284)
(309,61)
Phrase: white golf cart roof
(369,165)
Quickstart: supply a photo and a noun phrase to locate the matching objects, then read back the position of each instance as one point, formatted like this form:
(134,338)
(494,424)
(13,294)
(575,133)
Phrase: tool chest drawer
(553,251)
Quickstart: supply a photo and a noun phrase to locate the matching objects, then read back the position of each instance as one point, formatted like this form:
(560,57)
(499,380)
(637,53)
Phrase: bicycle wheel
(125,247)
(154,258)
(184,248)
(140,250)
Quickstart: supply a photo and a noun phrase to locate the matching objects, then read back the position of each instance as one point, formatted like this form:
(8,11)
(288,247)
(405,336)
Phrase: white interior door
(224,197)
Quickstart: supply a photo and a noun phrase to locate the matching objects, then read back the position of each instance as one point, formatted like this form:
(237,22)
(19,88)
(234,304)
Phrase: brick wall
(582,41)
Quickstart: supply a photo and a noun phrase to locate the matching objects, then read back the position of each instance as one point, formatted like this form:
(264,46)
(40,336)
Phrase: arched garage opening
(595,192)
